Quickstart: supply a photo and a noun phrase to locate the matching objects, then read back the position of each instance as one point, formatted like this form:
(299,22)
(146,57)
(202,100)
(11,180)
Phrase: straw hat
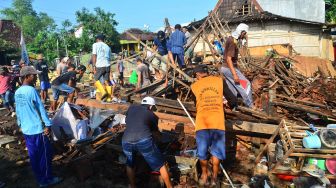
(39,57)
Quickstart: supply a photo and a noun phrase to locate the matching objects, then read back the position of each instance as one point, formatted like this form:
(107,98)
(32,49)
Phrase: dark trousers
(40,155)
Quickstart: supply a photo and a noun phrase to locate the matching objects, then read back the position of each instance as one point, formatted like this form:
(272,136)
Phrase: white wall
(306,39)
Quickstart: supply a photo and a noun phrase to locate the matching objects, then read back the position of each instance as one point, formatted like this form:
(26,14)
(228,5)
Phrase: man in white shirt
(101,54)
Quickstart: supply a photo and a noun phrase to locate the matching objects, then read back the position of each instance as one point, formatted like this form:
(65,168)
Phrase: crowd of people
(210,93)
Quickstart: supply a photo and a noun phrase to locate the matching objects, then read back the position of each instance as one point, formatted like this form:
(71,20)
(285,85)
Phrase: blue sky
(129,13)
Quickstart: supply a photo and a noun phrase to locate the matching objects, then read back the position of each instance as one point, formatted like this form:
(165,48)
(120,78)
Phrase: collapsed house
(271,141)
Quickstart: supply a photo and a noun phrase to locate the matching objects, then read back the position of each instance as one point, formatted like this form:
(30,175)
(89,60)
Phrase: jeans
(63,87)
(8,99)
(148,149)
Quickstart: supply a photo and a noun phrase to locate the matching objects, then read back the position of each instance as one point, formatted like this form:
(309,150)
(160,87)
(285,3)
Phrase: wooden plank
(5,139)
(302,101)
(238,127)
(303,108)
(315,151)
(146,88)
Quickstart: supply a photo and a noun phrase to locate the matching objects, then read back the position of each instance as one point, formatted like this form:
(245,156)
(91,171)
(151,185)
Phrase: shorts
(180,59)
(148,149)
(44,85)
(121,76)
(212,139)
(160,64)
(63,87)
(102,72)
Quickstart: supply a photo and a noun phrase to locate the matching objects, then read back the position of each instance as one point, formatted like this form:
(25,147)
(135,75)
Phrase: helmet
(148,101)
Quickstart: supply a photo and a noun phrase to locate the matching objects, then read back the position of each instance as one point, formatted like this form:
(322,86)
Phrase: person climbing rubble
(160,45)
(236,81)
(175,47)
(35,126)
(66,83)
(101,55)
(141,125)
(208,93)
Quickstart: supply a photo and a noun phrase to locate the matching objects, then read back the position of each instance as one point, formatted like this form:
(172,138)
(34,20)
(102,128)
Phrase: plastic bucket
(331,166)
(312,141)
(321,163)
(328,138)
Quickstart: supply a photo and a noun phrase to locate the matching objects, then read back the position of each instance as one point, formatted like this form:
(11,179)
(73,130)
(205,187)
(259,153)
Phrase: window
(245,9)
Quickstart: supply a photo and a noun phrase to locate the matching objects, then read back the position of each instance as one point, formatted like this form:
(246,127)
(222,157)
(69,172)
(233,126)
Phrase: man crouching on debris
(35,126)
(66,83)
(210,125)
(141,123)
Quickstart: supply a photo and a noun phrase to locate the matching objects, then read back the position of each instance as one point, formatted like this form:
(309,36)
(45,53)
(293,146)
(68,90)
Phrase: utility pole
(57,45)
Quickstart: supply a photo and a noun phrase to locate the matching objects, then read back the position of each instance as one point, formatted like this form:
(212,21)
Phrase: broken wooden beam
(303,108)
(162,58)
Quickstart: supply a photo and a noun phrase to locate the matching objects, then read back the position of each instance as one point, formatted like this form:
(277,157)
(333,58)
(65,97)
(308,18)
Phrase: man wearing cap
(35,126)
(160,45)
(101,54)
(176,44)
(237,82)
(141,123)
(208,92)
(44,78)
(66,83)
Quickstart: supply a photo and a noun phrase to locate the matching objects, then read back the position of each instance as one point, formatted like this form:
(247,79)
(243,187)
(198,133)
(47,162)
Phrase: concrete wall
(306,39)
(310,10)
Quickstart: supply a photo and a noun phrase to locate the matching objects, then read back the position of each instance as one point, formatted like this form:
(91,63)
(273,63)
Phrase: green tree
(98,22)
(331,11)
(31,22)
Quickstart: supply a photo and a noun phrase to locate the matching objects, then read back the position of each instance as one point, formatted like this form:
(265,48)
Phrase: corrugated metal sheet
(309,10)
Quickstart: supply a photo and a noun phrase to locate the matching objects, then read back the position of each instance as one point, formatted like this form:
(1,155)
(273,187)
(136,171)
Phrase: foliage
(43,36)
(331,11)
(31,22)
(99,22)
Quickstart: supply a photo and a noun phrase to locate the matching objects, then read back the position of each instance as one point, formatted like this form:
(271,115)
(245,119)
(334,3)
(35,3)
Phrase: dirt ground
(103,170)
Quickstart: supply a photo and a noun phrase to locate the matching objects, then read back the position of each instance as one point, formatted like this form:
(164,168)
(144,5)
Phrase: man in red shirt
(5,90)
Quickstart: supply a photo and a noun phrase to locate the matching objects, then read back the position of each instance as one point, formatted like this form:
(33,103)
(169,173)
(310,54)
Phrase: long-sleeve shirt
(176,42)
(30,111)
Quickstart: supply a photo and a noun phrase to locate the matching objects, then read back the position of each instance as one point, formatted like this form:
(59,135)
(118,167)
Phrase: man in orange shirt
(210,125)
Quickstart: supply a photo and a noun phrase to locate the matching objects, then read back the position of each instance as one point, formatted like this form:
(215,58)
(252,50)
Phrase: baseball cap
(27,70)
(148,101)
(201,68)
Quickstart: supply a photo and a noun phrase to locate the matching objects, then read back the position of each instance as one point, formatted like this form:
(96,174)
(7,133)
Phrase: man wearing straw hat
(42,66)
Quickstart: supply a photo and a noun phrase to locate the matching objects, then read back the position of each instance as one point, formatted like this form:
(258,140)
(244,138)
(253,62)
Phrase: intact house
(299,24)
(10,35)
(129,45)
